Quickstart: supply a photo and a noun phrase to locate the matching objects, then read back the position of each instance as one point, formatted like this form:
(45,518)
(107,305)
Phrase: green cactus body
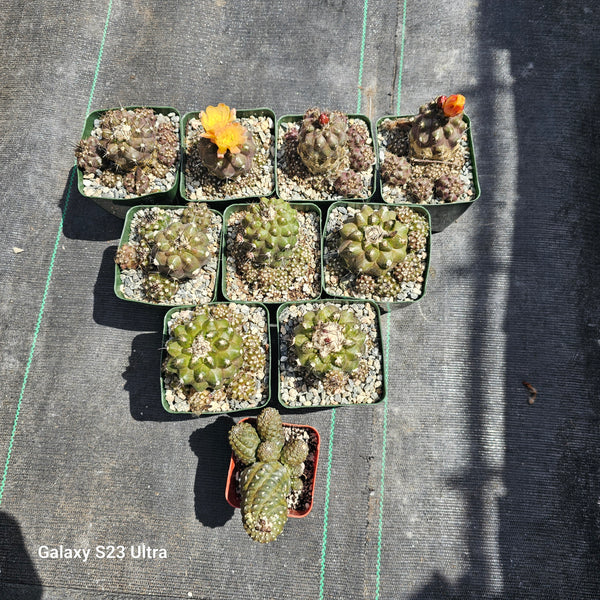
(205,353)
(269,426)
(271,229)
(329,339)
(180,250)
(244,441)
(230,165)
(322,140)
(433,135)
(294,453)
(159,288)
(373,241)
(197,213)
(264,487)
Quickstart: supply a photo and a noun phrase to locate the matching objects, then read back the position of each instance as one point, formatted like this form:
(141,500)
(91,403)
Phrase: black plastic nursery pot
(267,396)
(232,494)
(120,206)
(384,306)
(296,375)
(232,208)
(125,236)
(297,119)
(184,192)
(444,214)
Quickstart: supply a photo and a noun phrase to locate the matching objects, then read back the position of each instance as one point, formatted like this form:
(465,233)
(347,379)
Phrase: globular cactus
(327,339)
(226,147)
(322,140)
(270,227)
(360,153)
(395,170)
(373,241)
(437,128)
(420,189)
(271,471)
(197,213)
(159,288)
(449,187)
(89,155)
(348,184)
(180,250)
(131,146)
(204,352)
(127,257)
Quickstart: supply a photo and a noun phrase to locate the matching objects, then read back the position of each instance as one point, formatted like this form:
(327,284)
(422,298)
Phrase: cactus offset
(322,140)
(373,241)
(348,184)
(204,352)
(437,128)
(395,170)
(272,470)
(449,187)
(328,339)
(270,227)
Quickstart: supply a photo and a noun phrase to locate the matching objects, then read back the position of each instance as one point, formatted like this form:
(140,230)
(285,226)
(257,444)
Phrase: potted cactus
(428,159)
(129,156)
(228,154)
(215,358)
(324,156)
(330,354)
(272,472)
(377,252)
(272,251)
(169,256)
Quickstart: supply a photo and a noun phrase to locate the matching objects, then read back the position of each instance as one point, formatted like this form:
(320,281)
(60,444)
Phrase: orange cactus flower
(230,137)
(454,105)
(216,117)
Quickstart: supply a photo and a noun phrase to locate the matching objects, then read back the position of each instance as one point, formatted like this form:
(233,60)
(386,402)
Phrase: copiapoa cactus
(130,146)
(322,140)
(273,468)
(449,187)
(270,227)
(204,352)
(373,241)
(437,128)
(226,147)
(180,250)
(329,339)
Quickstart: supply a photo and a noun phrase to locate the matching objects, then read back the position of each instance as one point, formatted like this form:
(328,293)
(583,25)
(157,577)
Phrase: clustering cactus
(437,128)
(373,241)
(395,170)
(132,145)
(348,184)
(329,339)
(270,228)
(322,140)
(204,352)
(226,147)
(273,468)
(449,187)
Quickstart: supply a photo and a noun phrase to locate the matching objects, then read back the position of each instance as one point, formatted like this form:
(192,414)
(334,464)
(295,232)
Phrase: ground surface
(456,486)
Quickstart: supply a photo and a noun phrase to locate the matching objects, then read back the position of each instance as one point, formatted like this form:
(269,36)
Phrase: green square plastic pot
(337,301)
(165,338)
(384,306)
(259,112)
(232,208)
(120,206)
(442,215)
(125,235)
(298,118)
(232,494)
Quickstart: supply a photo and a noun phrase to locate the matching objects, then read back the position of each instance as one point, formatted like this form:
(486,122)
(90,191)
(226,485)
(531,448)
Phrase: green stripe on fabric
(49,278)
(362,56)
(401,65)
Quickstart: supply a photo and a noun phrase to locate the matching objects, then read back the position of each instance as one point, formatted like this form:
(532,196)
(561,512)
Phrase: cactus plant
(130,147)
(395,170)
(348,184)
(322,140)
(437,128)
(449,187)
(373,241)
(329,339)
(272,470)
(270,227)
(180,250)
(226,147)
(205,352)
